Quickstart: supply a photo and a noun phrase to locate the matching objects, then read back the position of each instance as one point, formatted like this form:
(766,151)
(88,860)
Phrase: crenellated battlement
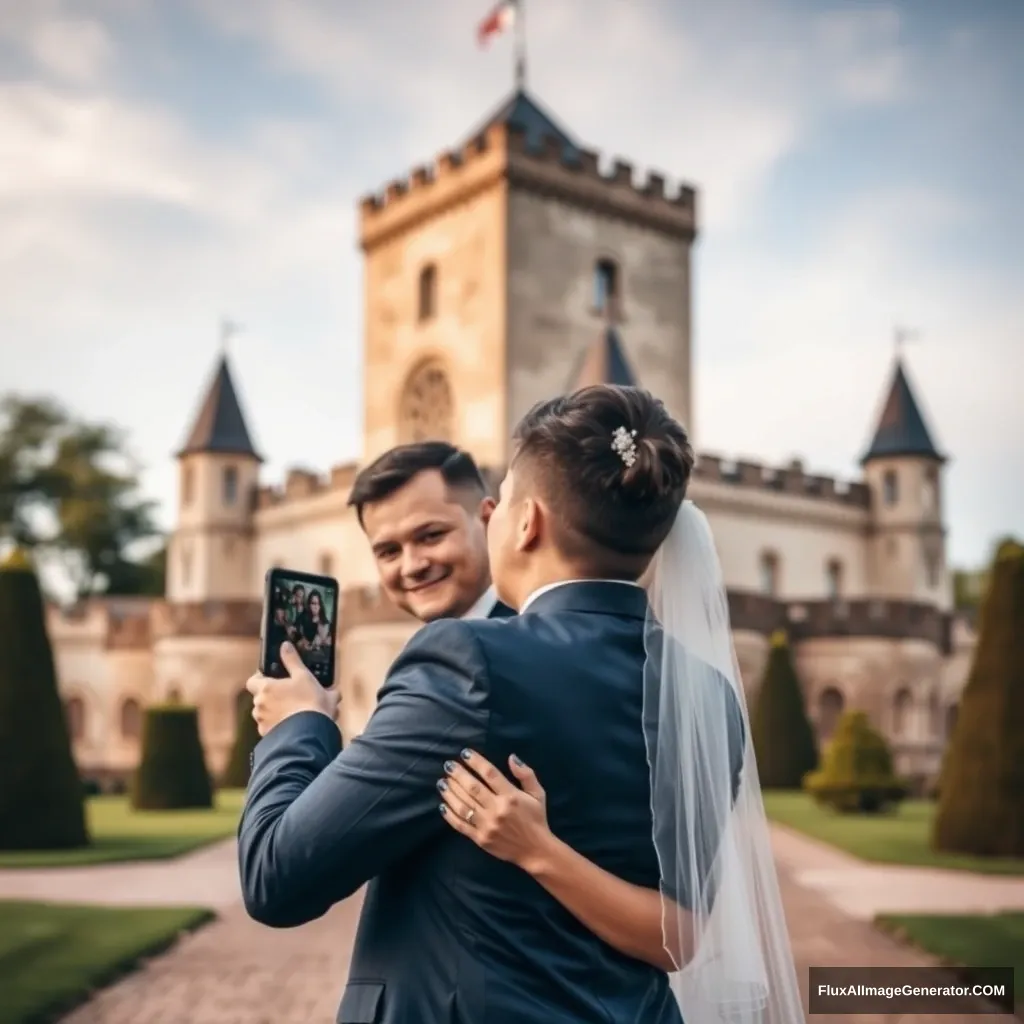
(788,479)
(238,619)
(301,484)
(503,152)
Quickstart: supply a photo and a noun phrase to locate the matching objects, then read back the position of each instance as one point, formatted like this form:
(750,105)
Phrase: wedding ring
(469,816)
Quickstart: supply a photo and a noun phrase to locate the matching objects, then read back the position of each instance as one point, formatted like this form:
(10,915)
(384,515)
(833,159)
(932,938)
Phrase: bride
(725,947)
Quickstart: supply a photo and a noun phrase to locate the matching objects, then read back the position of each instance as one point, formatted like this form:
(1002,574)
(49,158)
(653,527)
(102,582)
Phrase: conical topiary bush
(981,793)
(236,774)
(857,774)
(172,774)
(42,800)
(783,737)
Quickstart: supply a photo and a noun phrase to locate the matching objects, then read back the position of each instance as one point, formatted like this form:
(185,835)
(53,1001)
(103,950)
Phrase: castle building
(510,270)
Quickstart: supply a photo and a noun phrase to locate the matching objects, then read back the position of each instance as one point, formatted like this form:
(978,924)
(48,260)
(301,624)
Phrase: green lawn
(119,833)
(995,940)
(900,838)
(52,956)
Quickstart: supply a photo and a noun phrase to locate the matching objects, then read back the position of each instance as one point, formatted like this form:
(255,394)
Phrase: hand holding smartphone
(302,608)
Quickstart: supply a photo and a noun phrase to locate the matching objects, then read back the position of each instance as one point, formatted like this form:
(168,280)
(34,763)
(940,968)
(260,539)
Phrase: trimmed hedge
(981,801)
(172,774)
(857,775)
(236,774)
(42,799)
(784,742)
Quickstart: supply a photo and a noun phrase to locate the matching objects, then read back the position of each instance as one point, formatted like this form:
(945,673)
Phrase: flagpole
(520,43)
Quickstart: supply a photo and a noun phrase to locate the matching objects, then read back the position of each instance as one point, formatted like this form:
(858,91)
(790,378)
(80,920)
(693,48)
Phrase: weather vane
(228,329)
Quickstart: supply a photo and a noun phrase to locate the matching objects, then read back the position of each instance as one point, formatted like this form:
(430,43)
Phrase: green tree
(981,792)
(857,774)
(172,772)
(236,775)
(69,488)
(783,737)
(42,800)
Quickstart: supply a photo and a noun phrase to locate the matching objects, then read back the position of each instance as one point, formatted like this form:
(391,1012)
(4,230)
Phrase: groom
(449,934)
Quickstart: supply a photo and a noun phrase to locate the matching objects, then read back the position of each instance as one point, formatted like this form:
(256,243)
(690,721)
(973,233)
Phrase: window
(187,485)
(229,484)
(326,564)
(830,707)
(174,695)
(769,574)
(930,492)
(606,288)
(74,715)
(186,566)
(426,408)
(901,708)
(834,579)
(428,292)
(131,719)
(932,568)
(890,487)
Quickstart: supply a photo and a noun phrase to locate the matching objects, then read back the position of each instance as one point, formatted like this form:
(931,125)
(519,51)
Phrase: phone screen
(302,608)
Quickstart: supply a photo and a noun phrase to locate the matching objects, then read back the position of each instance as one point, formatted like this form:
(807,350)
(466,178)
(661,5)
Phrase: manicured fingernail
(466,755)
(442,786)
(443,808)
(516,760)
(449,767)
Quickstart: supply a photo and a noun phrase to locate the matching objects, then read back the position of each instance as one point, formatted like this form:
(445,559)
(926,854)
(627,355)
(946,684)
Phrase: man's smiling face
(430,545)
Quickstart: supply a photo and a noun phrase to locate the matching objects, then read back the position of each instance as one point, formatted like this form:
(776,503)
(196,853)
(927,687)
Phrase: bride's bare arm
(511,824)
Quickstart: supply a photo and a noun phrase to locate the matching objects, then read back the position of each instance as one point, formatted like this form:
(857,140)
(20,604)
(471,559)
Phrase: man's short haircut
(609,514)
(396,467)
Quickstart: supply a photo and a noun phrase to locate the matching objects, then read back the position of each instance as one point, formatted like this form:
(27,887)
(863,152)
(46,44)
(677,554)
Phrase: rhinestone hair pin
(624,446)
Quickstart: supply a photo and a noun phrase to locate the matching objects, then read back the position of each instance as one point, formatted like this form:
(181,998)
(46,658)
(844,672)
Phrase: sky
(167,165)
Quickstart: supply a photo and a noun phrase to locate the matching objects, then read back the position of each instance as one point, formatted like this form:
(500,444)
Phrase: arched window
(187,485)
(427,297)
(830,708)
(174,695)
(426,408)
(186,565)
(74,714)
(891,487)
(834,579)
(935,714)
(770,573)
(229,484)
(606,288)
(902,705)
(131,719)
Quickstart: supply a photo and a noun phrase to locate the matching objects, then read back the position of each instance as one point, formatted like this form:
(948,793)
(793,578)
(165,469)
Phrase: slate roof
(220,425)
(521,111)
(901,427)
(603,362)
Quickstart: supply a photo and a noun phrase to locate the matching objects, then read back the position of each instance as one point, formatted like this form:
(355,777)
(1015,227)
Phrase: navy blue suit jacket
(450,934)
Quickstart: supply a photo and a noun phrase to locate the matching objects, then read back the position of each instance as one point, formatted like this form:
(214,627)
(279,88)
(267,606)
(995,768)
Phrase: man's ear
(486,510)
(531,524)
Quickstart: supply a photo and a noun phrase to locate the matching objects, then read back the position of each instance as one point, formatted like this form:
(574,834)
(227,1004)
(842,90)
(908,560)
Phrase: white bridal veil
(721,908)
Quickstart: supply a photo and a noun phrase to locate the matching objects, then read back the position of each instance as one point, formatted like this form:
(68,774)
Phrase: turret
(904,470)
(211,555)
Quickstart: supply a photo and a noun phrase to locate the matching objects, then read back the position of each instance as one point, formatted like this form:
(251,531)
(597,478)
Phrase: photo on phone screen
(302,608)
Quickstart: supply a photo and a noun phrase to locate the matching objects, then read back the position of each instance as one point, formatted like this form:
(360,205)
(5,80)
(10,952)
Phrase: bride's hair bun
(613,461)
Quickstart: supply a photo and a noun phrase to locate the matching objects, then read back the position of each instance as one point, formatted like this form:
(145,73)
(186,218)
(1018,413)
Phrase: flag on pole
(501,19)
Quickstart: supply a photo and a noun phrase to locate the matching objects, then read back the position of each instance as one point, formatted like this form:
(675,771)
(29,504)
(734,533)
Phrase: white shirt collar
(564,583)
(484,605)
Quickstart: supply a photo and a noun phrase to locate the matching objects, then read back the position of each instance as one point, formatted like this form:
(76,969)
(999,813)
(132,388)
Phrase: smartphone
(303,608)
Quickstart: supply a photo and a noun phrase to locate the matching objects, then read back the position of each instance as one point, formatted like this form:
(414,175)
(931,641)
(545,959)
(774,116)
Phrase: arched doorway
(830,709)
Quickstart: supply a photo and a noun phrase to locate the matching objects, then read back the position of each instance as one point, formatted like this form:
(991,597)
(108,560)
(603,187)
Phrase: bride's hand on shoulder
(509,822)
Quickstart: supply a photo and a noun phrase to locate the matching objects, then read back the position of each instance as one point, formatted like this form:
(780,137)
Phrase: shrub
(42,800)
(172,773)
(981,792)
(236,774)
(856,776)
(784,742)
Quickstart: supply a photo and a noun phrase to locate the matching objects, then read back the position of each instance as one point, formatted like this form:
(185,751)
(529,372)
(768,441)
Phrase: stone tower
(903,469)
(211,549)
(491,276)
